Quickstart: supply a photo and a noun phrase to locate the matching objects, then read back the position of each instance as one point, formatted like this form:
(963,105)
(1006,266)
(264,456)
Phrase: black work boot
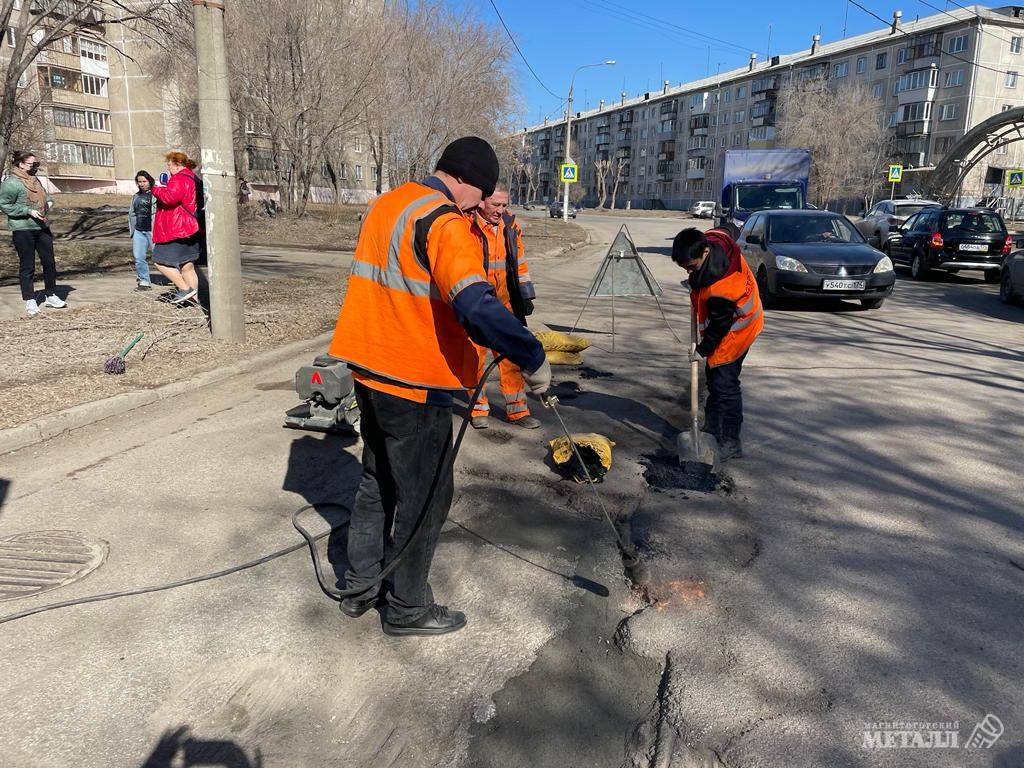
(730,448)
(438,620)
(357,605)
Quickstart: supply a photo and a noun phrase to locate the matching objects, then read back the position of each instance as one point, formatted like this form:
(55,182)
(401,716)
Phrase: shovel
(698,451)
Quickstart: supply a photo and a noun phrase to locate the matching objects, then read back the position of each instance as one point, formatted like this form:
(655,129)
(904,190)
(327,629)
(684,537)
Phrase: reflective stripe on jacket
(739,287)
(514,247)
(416,252)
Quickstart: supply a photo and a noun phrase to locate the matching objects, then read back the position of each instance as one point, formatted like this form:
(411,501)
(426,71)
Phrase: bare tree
(601,168)
(620,170)
(36,26)
(845,131)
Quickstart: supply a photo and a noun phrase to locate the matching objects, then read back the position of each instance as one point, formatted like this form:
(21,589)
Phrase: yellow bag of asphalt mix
(595,449)
(565,358)
(556,341)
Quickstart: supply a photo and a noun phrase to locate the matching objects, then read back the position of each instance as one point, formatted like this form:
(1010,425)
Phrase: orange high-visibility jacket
(739,287)
(416,252)
(503,251)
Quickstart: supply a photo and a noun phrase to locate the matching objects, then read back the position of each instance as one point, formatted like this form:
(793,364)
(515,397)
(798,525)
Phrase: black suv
(951,239)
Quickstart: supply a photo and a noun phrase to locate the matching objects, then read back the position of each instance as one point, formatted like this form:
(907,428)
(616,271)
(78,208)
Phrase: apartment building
(102,118)
(935,78)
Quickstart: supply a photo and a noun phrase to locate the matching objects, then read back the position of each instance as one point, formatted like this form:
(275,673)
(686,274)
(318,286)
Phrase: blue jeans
(142,244)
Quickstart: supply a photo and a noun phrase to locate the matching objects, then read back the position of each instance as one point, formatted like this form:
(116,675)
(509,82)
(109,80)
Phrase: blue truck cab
(761,179)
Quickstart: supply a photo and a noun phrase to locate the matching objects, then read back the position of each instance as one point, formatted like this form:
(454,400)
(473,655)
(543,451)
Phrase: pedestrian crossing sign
(895,173)
(570,173)
(1015,178)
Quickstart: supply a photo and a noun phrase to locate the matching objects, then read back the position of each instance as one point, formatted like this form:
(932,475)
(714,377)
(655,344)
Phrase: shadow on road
(178,749)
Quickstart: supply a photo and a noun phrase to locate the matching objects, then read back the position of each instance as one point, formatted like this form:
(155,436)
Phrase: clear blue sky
(556,36)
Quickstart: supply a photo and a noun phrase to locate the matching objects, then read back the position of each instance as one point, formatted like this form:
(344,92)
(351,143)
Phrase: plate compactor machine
(329,398)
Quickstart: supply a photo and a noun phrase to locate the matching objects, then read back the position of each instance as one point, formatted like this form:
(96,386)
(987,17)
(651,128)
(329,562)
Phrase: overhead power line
(661,23)
(519,50)
(903,32)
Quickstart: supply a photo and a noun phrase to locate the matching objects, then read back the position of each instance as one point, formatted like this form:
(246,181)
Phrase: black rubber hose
(447,459)
(310,540)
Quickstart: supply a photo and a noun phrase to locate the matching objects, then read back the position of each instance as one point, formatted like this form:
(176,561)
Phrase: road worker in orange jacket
(417,300)
(724,294)
(505,263)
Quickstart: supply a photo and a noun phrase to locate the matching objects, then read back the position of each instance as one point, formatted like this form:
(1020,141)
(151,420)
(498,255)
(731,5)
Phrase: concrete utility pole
(227,310)
(568,129)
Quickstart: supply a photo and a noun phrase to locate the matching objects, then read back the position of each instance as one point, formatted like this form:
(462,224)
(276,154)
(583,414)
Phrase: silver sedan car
(886,216)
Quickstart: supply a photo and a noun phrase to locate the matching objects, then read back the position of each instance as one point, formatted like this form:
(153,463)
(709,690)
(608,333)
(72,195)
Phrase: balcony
(765,85)
(603,139)
(626,117)
(78,171)
(60,59)
(668,108)
(48,95)
(694,173)
(913,128)
(625,135)
(622,153)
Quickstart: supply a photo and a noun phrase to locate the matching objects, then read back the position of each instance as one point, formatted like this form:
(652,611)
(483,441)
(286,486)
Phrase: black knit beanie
(473,160)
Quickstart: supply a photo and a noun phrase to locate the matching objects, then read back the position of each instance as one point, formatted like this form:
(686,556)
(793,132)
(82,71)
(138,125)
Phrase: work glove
(696,357)
(539,381)
(527,307)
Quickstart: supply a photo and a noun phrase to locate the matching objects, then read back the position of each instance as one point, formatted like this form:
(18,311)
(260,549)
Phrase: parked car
(703,209)
(1011,278)
(532,205)
(951,239)
(555,210)
(887,215)
(814,255)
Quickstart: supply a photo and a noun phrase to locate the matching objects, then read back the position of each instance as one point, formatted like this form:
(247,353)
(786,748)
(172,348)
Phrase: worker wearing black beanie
(472,160)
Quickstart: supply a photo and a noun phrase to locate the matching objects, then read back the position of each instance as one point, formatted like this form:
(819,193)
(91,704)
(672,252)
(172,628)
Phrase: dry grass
(542,235)
(54,361)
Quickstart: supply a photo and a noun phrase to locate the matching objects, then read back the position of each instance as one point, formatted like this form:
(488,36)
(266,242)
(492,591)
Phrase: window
(97,86)
(90,49)
(881,61)
(12,37)
(67,44)
(357,146)
(1015,44)
(23,79)
(696,100)
(958,44)
(260,160)
(97,121)
(359,173)
(740,116)
(725,119)
(1011,80)
(948,112)
(919,110)
(842,69)
(901,55)
(954,78)
(741,92)
(727,95)
(878,91)
(892,119)
(943,144)
(64,152)
(862,65)
(920,78)
(376,172)
(722,142)
(68,118)
(736,139)
(93,154)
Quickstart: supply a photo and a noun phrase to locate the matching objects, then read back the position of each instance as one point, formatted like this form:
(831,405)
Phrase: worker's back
(396,321)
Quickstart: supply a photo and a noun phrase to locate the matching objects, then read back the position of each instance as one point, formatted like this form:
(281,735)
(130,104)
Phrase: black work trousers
(406,462)
(723,410)
(29,242)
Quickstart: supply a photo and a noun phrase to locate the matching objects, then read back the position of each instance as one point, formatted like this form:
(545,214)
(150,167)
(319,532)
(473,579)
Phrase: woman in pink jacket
(177,236)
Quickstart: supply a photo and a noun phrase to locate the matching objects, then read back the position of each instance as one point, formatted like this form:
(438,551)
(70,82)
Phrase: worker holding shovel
(729,316)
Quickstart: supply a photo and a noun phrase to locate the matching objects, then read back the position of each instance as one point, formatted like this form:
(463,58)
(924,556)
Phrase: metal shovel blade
(698,452)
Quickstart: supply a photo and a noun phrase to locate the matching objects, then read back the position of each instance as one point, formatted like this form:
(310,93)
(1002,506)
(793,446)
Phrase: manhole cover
(38,561)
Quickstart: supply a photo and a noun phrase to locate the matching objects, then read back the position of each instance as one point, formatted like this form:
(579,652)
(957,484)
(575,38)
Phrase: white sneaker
(55,301)
(32,307)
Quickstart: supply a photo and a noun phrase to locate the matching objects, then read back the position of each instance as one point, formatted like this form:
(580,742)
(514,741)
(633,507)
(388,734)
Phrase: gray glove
(539,381)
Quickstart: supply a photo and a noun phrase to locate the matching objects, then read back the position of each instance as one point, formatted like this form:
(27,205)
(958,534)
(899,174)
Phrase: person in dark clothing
(724,296)
(140,227)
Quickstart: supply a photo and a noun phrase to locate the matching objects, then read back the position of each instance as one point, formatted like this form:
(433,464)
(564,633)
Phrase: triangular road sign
(623,272)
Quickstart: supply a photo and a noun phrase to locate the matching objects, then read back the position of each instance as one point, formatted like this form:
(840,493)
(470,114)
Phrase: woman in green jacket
(26,204)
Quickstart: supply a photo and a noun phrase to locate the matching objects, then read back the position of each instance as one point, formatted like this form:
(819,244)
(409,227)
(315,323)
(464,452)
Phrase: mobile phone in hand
(164,178)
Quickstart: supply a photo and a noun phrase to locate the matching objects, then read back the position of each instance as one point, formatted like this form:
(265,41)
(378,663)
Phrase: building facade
(934,79)
(101,118)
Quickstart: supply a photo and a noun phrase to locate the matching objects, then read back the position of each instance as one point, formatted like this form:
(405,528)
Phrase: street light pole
(227,311)
(568,130)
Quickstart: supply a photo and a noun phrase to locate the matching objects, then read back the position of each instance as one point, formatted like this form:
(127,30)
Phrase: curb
(59,422)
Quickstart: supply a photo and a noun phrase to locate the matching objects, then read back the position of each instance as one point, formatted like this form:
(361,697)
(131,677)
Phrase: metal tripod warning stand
(624,274)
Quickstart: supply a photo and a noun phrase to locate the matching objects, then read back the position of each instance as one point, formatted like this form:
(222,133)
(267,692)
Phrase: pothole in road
(662,471)
(38,561)
(586,372)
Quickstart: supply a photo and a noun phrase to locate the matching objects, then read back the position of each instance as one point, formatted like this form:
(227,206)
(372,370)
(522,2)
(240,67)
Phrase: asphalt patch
(587,372)
(496,436)
(567,390)
(662,471)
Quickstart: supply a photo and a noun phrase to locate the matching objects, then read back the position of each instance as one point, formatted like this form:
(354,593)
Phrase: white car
(704,209)
(887,216)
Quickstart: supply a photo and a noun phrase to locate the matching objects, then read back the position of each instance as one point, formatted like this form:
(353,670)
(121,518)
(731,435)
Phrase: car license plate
(978,247)
(844,285)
